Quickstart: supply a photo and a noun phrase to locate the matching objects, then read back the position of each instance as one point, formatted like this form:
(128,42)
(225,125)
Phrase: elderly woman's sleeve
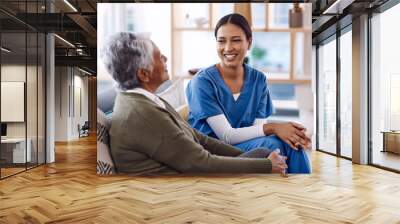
(178,149)
(215,146)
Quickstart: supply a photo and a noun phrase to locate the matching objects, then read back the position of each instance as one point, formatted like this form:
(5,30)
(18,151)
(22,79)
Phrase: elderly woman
(148,136)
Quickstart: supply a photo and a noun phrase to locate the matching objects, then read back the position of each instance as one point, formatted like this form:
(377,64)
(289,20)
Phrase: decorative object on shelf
(296,16)
(200,22)
(187,20)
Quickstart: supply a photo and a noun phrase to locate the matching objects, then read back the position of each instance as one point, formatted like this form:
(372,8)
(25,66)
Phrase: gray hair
(124,54)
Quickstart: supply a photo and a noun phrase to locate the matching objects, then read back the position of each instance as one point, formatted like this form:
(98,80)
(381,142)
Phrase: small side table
(391,141)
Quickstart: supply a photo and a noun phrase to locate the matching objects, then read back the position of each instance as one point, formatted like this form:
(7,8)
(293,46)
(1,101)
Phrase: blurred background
(185,34)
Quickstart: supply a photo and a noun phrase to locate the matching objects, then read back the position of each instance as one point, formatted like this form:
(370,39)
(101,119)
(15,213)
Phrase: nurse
(230,100)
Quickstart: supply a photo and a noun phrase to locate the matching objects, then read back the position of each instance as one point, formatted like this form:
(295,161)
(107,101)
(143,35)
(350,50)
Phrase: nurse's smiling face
(232,45)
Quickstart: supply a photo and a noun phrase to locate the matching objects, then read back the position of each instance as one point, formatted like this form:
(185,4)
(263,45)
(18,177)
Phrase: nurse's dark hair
(237,20)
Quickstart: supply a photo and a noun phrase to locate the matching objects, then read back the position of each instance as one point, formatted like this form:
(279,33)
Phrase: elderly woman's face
(160,71)
(232,45)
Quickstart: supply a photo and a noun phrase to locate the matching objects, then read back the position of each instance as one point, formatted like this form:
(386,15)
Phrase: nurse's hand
(291,133)
(305,135)
(278,163)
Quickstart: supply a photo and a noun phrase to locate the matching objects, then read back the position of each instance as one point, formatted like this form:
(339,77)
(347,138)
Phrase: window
(279,15)
(346,94)
(327,97)
(302,67)
(273,41)
(199,44)
(220,10)
(271,53)
(258,15)
(284,101)
(138,18)
(385,89)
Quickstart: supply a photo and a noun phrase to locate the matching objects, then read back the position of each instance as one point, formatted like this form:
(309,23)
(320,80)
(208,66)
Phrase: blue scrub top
(208,95)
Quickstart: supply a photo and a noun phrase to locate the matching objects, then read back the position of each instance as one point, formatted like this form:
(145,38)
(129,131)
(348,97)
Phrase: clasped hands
(292,133)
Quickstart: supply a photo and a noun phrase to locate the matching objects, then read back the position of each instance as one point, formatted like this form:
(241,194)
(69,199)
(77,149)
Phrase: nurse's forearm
(269,128)
(224,131)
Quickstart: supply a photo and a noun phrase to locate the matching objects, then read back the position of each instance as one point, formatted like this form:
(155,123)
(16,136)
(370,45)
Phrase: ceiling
(330,15)
(76,24)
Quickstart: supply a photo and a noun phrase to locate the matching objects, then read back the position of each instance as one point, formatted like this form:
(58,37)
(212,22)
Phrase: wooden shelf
(291,30)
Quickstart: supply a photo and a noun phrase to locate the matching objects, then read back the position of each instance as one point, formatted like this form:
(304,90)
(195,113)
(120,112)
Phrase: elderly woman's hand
(278,162)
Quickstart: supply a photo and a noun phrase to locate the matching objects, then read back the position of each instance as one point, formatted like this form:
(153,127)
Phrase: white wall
(16,73)
(61,103)
(82,83)
(33,126)
(69,85)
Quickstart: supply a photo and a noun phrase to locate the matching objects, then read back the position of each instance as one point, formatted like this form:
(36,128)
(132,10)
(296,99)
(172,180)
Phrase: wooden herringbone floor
(69,191)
